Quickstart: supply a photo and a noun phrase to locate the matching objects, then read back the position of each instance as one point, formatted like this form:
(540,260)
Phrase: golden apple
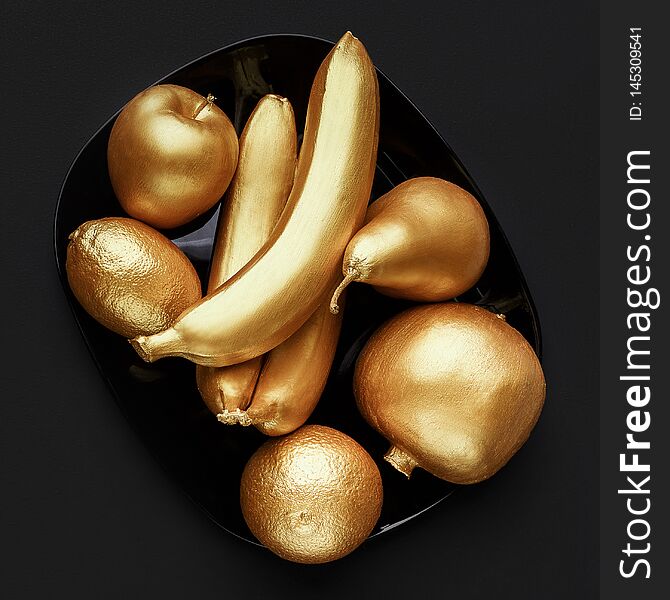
(171,155)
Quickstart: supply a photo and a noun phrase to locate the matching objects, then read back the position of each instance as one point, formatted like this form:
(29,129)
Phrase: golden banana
(253,204)
(293,377)
(278,290)
(425,240)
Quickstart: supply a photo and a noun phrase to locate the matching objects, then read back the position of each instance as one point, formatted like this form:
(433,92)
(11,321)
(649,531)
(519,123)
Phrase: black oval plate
(161,400)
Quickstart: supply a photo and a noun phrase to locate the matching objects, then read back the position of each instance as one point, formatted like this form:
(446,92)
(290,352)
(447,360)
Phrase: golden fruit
(292,379)
(425,240)
(312,496)
(453,387)
(294,375)
(253,203)
(282,286)
(171,155)
(129,277)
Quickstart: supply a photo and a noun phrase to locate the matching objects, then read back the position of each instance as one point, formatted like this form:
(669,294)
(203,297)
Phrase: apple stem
(206,104)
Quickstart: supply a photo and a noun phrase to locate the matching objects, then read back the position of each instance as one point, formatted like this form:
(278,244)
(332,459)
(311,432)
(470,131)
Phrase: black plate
(161,401)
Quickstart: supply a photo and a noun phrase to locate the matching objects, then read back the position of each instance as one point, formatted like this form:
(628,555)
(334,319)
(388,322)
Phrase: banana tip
(139,345)
(347,39)
(234,417)
(277,98)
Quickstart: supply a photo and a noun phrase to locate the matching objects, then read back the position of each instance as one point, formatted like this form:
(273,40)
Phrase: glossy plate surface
(161,400)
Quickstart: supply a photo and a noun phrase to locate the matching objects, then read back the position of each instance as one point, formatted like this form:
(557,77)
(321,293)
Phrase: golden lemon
(129,277)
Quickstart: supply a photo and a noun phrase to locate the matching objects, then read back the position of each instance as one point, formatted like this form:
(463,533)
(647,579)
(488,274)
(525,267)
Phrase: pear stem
(234,417)
(353,274)
(206,104)
(400,460)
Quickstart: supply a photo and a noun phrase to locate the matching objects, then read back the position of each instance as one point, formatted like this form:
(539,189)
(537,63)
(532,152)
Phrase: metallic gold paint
(275,294)
(171,155)
(312,496)
(425,240)
(252,206)
(128,276)
(294,375)
(455,390)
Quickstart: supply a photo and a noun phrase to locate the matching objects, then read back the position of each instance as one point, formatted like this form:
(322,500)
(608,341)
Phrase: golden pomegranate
(171,155)
(129,277)
(312,496)
(453,387)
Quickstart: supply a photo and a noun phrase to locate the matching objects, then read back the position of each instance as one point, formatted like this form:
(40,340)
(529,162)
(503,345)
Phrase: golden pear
(425,240)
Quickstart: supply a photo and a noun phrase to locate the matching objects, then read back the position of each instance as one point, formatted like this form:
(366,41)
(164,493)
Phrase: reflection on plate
(161,400)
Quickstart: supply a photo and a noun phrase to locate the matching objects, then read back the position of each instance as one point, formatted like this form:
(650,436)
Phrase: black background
(86,512)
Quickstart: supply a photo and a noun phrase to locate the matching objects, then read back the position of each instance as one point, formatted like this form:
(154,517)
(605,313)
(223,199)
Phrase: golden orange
(313,496)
